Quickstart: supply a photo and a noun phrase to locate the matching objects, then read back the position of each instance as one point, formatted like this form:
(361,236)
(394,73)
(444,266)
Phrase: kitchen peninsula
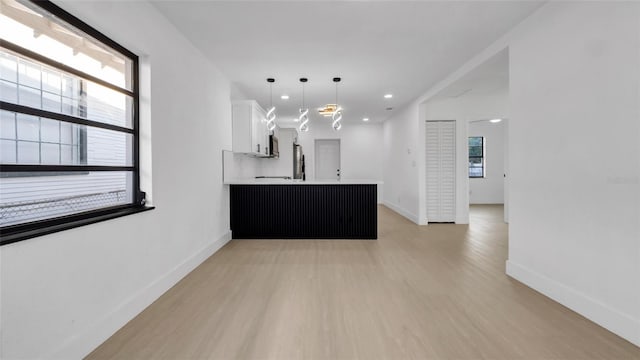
(292,209)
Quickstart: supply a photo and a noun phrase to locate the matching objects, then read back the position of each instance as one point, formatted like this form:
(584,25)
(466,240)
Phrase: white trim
(403,212)
(81,344)
(611,319)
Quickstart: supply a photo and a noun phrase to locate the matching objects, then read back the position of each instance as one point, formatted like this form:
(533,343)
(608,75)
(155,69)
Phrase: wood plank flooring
(418,292)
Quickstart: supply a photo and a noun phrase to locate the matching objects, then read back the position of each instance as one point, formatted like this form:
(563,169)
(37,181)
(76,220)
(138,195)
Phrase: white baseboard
(403,212)
(82,344)
(611,319)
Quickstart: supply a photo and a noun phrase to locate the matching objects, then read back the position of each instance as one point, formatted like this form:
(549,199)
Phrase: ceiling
(376,47)
(489,77)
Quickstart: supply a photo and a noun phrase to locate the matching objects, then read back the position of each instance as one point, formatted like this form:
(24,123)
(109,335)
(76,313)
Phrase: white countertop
(300,182)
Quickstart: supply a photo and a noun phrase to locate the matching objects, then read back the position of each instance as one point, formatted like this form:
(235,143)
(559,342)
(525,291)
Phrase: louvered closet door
(441,170)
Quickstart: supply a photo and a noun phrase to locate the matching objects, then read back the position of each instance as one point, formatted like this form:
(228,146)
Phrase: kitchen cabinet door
(250,134)
(260,134)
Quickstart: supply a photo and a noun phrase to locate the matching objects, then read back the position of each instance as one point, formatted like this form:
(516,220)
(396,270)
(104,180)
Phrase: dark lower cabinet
(304,211)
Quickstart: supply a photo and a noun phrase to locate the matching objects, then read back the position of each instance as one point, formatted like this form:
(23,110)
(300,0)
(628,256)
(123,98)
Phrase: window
(68,123)
(28,139)
(476,157)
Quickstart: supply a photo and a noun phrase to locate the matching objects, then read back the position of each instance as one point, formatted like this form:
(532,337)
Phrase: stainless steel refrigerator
(298,162)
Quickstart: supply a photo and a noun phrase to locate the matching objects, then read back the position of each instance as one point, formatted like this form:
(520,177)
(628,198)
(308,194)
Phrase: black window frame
(481,157)
(13,233)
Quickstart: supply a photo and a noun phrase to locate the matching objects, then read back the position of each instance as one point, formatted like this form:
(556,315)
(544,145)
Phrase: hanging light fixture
(336,117)
(271,113)
(327,110)
(303,119)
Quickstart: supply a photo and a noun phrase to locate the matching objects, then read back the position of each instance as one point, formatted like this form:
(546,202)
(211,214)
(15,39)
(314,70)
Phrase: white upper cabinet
(250,133)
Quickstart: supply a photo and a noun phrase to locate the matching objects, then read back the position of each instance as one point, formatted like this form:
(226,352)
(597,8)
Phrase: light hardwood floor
(418,292)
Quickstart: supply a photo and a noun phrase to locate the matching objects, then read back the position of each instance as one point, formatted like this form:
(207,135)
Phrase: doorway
(327,154)
(487,159)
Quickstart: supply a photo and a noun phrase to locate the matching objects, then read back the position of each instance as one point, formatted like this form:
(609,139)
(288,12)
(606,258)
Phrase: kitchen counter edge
(298,182)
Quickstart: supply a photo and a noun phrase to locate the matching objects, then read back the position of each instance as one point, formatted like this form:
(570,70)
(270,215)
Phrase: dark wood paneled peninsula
(303,210)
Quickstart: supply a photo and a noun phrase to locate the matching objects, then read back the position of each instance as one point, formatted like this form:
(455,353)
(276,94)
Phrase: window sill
(23,232)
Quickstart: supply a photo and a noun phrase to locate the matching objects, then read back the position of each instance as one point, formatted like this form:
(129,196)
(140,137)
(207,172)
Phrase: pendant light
(336,117)
(271,113)
(304,112)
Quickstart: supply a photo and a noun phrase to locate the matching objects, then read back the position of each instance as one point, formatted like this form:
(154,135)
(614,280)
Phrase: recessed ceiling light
(388,96)
(365,119)
(284,97)
(495,120)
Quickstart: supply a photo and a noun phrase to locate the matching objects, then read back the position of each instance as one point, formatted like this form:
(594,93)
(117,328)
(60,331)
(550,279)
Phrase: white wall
(490,189)
(400,159)
(575,226)
(240,166)
(360,149)
(404,146)
(574,143)
(404,142)
(65,293)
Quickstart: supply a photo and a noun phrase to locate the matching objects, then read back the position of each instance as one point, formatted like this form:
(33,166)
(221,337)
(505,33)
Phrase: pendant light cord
(303,118)
(337,114)
(271,116)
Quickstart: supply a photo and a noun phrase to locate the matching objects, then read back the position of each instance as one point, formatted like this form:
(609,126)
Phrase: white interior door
(441,170)
(327,154)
